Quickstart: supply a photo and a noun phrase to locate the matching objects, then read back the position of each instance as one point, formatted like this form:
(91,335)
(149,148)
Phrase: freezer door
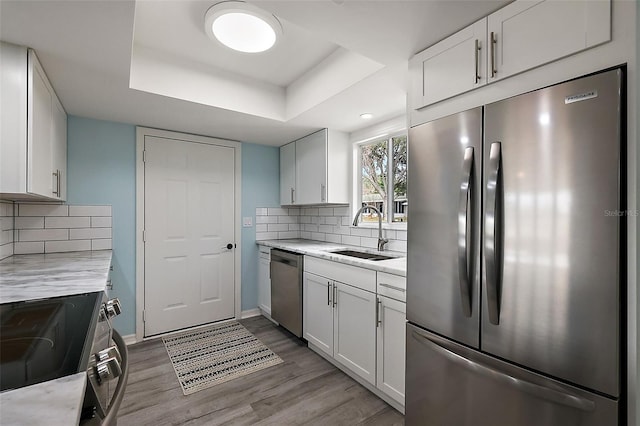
(552,244)
(445,158)
(451,385)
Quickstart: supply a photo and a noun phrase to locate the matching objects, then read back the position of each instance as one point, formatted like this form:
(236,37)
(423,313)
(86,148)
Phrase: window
(383,179)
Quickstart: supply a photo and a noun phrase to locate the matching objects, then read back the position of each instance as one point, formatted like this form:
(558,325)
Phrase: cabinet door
(39,149)
(450,67)
(317,308)
(264,284)
(391,347)
(527,34)
(355,330)
(311,168)
(59,148)
(287,173)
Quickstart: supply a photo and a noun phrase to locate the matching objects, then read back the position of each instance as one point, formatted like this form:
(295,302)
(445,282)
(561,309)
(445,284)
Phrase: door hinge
(144,156)
(144,236)
(144,316)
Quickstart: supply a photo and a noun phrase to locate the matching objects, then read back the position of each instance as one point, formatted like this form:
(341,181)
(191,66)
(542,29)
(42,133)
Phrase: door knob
(228,246)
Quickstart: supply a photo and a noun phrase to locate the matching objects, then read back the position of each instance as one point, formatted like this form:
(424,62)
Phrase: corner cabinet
(521,36)
(314,170)
(33,145)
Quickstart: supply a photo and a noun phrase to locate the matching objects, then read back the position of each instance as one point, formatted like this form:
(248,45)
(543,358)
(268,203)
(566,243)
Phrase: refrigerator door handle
(463,236)
(556,396)
(492,226)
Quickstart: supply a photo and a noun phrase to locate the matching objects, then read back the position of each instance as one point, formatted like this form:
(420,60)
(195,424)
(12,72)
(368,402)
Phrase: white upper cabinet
(320,164)
(527,34)
(33,144)
(522,35)
(455,65)
(287,173)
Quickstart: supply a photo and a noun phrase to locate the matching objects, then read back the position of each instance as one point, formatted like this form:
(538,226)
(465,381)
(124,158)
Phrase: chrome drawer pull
(392,287)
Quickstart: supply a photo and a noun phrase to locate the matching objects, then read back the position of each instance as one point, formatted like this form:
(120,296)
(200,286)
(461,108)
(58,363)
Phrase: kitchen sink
(362,255)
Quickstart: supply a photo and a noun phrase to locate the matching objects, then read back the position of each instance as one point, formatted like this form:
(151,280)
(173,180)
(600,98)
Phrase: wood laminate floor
(304,390)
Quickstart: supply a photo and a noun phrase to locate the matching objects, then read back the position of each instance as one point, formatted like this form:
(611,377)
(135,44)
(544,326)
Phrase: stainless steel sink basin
(363,255)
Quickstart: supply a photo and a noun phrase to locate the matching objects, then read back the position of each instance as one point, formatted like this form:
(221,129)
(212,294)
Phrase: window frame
(387,223)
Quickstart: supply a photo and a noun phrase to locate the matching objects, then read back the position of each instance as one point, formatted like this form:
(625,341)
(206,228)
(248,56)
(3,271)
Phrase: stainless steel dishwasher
(286,290)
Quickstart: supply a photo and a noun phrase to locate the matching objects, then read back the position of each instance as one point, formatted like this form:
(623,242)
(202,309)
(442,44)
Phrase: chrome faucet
(381,241)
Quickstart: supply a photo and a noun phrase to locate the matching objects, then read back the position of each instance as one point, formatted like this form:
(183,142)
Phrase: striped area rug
(212,355)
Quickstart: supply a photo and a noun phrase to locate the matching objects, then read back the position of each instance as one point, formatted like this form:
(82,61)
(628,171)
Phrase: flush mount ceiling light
(366,116)
(242,27)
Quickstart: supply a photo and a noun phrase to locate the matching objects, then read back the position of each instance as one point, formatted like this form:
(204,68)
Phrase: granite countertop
(37,276)
(320,249)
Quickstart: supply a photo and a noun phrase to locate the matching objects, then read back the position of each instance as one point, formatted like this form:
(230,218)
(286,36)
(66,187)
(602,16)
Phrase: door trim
(141,133)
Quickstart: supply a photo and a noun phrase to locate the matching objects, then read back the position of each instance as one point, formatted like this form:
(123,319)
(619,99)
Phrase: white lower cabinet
(354,333)
(264,280)
(358,329)
(392,316)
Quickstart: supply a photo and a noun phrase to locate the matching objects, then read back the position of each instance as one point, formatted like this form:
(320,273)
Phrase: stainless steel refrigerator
(514,260)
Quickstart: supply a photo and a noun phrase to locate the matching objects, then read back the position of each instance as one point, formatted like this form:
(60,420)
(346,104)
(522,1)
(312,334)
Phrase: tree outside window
(384,179)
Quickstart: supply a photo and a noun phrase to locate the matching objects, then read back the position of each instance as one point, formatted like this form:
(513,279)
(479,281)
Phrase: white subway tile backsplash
(351,240)
(64,246)
(276,227)
(6,208)
(321,220)
(103,244)
(305,219)
(318,236)
(89,233)
(294,212)
(389,234)
(101,222)
(401,235)
(20,247)
(305,234)
(325,211)
(309,211)
(6,250)
(294,227)
(326,228)
(43,234)
(67,222)
(262,211)
(341,211)
(331,220)
(288,235)
(397,245)
(266,219)
(346,221)
(29,222)
(277,211)
(287,219)
(6,237)
(310,228)
(333,238)
(369,242)
(262,227)
(266,236)
(44,210)
(89,210)
(7,223)
(361,232)
(342,230)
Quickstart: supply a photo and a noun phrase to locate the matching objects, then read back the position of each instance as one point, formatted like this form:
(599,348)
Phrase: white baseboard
(129,339)
(250,313)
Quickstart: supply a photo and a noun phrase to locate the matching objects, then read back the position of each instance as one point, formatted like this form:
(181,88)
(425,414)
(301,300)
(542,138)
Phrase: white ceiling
(152,64)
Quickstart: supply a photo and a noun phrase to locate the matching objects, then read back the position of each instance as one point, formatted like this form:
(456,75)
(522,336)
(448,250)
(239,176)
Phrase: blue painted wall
(101,169)
(260,188)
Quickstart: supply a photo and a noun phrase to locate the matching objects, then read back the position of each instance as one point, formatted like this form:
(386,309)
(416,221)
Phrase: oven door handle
(116,400)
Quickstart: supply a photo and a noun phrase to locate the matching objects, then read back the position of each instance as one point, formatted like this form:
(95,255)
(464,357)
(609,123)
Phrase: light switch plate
(247,222)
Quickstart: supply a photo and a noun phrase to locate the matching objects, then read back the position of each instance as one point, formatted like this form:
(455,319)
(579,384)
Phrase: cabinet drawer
(392,286)
(265,252)
(352,275)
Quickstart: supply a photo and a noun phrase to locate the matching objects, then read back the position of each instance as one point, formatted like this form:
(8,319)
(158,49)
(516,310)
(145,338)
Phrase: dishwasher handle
(290,259)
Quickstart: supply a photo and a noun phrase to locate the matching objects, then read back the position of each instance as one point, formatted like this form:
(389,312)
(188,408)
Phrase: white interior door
(189,220)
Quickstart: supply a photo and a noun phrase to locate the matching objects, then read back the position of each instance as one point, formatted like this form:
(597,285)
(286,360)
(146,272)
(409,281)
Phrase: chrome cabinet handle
(549,394)
(392,287)
(57,175)
(292,190)
(323,191)
(477,61)
(492,228)
(378,319)
(466,198)
(335,295)
(493,39)
(328,293)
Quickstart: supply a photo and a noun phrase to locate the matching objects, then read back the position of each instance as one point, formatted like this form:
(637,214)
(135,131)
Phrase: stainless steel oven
(46,339)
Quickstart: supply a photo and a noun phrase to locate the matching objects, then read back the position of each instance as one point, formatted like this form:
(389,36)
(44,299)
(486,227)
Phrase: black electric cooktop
(45,339)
